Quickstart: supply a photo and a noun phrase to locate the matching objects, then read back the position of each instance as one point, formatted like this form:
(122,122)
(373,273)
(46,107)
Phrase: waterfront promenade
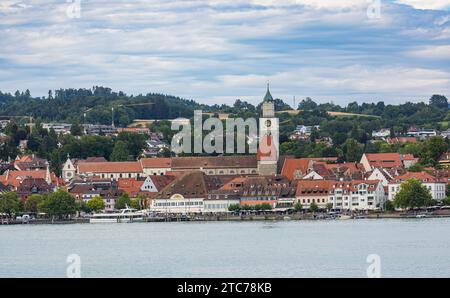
(253,217)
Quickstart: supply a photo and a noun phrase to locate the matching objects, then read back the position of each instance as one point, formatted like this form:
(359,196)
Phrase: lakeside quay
(252,217)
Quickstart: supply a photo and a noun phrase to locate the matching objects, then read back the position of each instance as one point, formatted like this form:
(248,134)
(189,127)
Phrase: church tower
(268,151)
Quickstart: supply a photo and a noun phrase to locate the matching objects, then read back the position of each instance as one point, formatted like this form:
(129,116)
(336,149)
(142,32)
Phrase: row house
(111,170)
(382,133)
(27,183)
(357,195)
(30,163)
(436,187)
(59,128)
(342,195)
(421,133)
(86,189)
(147,187)
(335,171)
(297,168)
(69,169)
(264,190)
(156,166)
(385,175)
(370,161)
(218,165)
(187,193)
(94,129)
(14,178)
(443,175)
(196,192)
(313,191)
(33,186)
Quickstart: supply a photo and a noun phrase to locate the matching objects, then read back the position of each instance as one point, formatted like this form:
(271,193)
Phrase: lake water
(407,248)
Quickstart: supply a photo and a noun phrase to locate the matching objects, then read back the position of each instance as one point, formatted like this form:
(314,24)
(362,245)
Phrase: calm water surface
(417,248)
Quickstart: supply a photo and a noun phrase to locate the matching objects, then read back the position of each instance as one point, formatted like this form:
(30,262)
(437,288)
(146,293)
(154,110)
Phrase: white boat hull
(115,220)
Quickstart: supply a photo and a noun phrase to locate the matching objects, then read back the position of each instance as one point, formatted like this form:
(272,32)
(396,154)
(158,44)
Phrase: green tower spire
(268,97)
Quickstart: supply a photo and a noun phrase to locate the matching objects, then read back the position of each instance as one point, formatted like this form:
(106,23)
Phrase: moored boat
(127,215)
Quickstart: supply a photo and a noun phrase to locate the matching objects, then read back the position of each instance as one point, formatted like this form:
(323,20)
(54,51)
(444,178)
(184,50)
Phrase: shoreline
(246,218)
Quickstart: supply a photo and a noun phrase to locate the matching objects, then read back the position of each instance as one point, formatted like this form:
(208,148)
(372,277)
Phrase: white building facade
(436,187)
(177,204)
(357,195)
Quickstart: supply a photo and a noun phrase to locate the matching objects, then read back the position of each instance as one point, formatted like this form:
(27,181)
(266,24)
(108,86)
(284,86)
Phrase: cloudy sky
(217,51)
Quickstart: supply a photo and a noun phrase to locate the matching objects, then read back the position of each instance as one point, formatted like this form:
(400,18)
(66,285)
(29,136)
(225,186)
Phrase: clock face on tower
(268,123)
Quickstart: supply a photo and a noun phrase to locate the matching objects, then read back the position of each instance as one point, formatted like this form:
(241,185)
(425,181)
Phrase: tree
(263,207)
(432,150)
(446,201)
(31,204)
(120,152)
(59,204)
(353,150)
(416,168)
(96,204)
(122,202)
(135,142)
(307,104)
(82,206)
(313,207)
(412,194)
(298,207)
(9,203)
(439,101)
(389,206)
(329,207)
(135,203)
(76,129)
(234,207)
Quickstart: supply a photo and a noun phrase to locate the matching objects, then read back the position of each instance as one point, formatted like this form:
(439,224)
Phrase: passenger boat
(127,215)
(344,217)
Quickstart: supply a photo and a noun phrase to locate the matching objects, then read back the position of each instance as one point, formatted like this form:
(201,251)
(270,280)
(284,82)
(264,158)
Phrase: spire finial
(268,85)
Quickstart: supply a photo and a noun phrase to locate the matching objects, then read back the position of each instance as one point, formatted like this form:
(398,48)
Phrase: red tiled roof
(14,178)
(292,165)
(129,185)
(422,176)
(323,187)
(110,167)
(210,162)
(162,181)
(313,187)
(156,163)
(384,160)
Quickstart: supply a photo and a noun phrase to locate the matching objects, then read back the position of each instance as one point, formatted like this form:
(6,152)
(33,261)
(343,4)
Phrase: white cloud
(441,52)
(215,50)
(427,4)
